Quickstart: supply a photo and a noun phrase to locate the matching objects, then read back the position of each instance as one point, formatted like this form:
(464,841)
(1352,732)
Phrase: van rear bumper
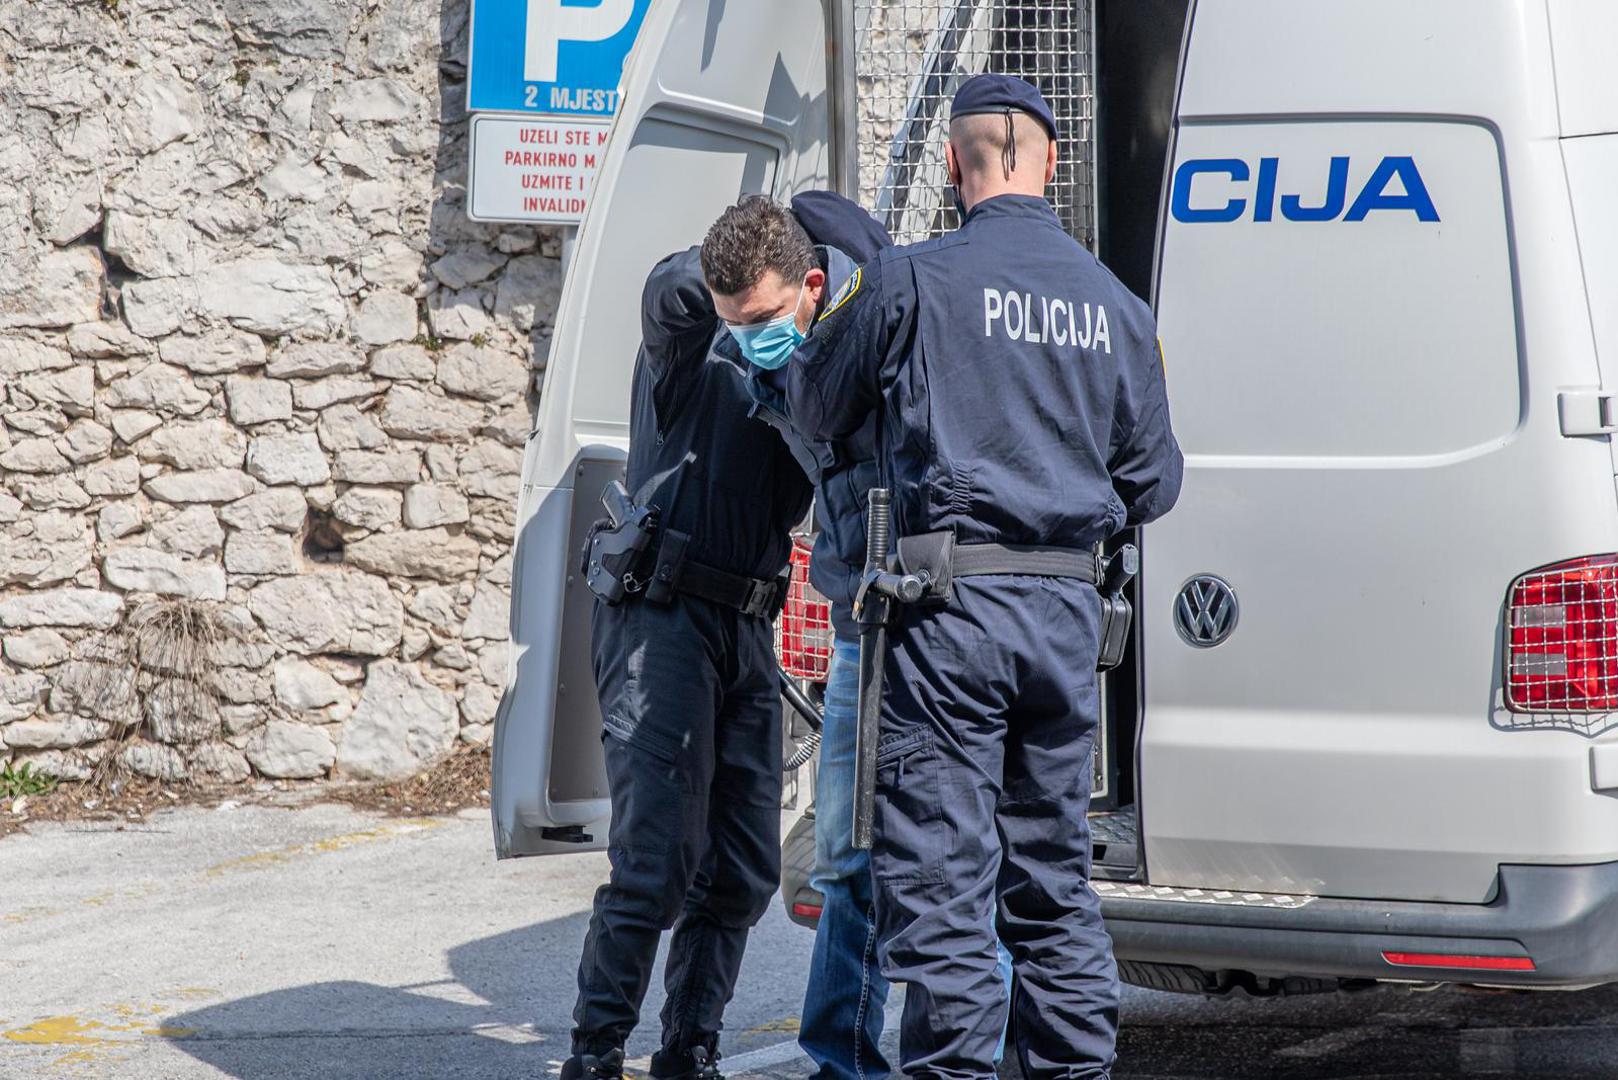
(1563,918)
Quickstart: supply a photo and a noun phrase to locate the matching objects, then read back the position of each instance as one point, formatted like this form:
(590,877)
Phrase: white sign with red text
(533,170)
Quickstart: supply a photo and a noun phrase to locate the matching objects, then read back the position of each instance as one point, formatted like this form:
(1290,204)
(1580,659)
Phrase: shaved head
(984,163)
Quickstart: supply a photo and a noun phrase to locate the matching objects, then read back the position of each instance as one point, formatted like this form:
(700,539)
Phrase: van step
(1124,890)
(1114,852)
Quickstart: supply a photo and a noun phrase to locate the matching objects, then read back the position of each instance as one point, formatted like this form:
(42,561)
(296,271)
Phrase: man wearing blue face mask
(772,271)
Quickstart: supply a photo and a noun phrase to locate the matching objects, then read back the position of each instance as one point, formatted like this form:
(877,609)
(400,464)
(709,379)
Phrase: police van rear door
(719,100)
(1365,331)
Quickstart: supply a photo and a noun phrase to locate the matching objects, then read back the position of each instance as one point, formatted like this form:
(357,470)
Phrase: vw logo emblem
(1205,611)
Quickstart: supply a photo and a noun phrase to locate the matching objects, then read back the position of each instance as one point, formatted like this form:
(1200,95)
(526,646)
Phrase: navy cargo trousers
(983,783)
(691,706)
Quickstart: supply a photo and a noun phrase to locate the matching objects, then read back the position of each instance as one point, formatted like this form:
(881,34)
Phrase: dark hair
(751,237)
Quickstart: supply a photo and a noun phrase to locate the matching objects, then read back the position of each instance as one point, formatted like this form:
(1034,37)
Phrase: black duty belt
(977,560)
(750,596)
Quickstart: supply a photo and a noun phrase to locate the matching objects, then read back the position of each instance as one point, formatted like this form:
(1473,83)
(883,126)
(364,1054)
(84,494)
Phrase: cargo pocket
(640,736)
(910,829)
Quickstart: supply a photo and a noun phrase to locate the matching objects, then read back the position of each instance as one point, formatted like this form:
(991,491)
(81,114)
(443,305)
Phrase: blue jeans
(843,1007)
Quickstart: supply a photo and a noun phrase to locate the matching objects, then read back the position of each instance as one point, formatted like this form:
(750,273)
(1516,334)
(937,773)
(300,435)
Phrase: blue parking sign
(550,56)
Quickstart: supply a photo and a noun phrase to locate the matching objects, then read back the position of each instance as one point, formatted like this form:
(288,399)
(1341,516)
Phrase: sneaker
(607,1066)
(697,1063)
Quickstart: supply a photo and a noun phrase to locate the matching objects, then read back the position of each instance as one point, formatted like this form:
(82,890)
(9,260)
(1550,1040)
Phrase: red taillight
(803,634)
(1448,960)
(1562,638)
(806,911)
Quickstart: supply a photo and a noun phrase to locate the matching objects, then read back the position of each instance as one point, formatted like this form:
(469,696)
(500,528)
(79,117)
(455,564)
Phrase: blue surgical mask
(770,345)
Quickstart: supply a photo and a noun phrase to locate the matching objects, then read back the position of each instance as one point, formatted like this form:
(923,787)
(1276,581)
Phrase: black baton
(873,618)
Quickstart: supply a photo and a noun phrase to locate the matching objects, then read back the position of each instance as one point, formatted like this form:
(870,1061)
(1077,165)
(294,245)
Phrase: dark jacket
(715,472)
(1019,384)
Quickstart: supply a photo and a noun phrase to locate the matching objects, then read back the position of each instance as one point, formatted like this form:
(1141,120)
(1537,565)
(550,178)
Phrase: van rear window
(1338,289)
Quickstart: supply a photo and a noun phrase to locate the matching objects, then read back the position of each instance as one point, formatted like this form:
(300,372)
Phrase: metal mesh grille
(803,633)
(910,55)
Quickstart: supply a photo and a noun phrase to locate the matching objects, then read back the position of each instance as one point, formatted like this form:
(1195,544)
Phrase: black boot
(697,1063)
(605,1066)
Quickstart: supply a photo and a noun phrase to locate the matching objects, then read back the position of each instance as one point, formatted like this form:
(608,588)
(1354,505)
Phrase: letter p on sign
(551,22)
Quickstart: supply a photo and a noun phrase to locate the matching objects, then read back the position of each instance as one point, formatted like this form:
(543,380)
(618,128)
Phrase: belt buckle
(760,597)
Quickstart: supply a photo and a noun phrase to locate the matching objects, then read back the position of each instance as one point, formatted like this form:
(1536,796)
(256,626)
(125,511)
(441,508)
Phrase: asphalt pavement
(323,942)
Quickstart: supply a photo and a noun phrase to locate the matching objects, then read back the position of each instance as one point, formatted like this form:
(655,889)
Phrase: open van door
(720,98)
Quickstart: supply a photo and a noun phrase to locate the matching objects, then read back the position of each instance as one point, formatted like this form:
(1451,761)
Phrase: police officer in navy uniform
(690,695)
(1020,396)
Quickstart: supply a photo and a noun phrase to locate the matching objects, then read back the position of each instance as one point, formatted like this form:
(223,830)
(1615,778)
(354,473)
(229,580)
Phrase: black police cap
(994,93)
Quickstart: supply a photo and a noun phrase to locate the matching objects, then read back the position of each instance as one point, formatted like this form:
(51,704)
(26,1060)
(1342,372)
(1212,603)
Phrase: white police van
(1369,728)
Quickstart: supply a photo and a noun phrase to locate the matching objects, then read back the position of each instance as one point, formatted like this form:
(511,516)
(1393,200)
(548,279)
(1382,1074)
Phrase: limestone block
(281,508)
(529,292)
(262,553)
(159,388)
(114,476)
(479,703)
(491,470)
(120,519)
(85,440)
(384,318)
(55,288)
(34,456)
(301,686)
(161,109)
(215,352)
(368,507)
(490,613)
(90,608)
(345,427)
(404,362)
(154,760)
(193,532)
(421,553)
(402,724)
(435,605)
(159,306)
(153,247)
(195,444)
(333,390)
(288,459)
(72,390)
(202,486)
(314,29)
(458,315)
(101,340)
(55,734)
(37,648)
(53,492)
(410,413)
(376,99)
(341,611)
(314,359)
(466,267)
(131,424)
(147,570)
(220,762)
(272,297)
(257,401)
(21,356)
(482,373)
(426,505)
(286,750)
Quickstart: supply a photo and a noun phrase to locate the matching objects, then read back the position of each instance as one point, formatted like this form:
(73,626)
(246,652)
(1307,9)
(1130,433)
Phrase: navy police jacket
(843,470)
(715,473)
(1018,384)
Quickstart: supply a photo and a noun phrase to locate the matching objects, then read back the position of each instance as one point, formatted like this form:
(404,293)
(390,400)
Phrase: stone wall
(255,357)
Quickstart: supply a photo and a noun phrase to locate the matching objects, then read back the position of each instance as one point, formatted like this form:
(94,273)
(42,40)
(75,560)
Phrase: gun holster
(616,546)
(932,557)
(1116,611)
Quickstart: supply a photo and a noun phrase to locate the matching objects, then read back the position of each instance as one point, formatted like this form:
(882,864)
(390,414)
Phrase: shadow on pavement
(471,1025)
